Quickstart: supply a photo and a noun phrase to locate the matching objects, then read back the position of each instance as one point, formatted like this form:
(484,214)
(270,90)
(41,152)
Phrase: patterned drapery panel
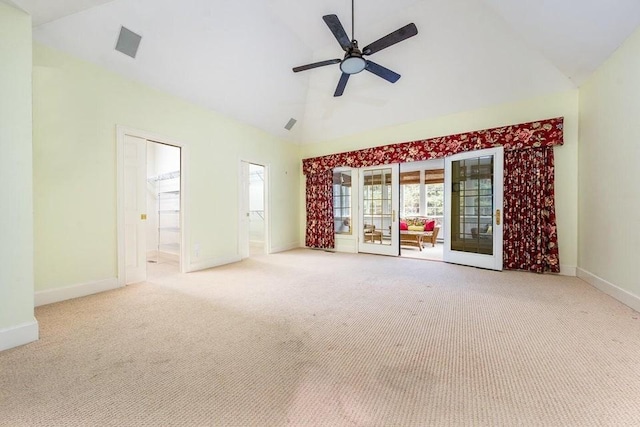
(530,235)
(320,233)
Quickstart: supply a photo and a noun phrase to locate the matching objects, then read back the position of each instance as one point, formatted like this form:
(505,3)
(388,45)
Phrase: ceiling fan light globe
(353,65)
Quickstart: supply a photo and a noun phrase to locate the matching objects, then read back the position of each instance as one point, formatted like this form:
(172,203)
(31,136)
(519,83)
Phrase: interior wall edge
(213,262)
(51,296)
(568,270)
(15,336)
(614,291)
(285,247)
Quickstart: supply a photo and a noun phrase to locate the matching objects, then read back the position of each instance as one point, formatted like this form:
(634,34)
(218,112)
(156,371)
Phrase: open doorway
(163,231)
(253,239)
(422,209)
(150,206)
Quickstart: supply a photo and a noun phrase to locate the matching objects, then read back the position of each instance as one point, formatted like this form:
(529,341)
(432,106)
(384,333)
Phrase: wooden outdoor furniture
(371,234)
(418,238)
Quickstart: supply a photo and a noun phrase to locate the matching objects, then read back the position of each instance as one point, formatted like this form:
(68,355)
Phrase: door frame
(244,235)
(121,131)
(495,261)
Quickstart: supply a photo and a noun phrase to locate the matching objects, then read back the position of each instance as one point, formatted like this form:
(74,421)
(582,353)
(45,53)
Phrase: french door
(379,230)
(473,208)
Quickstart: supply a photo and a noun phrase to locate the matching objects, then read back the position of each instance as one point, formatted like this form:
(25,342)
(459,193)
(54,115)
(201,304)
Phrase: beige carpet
(310,338)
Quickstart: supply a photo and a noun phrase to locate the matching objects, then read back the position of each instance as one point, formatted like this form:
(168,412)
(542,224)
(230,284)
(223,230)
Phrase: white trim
(213,262)
(287,247)
(568,270)
(75,291)
(18,335)
(610,289)
(244,183)
(185,254)
(266,199)
(422,165)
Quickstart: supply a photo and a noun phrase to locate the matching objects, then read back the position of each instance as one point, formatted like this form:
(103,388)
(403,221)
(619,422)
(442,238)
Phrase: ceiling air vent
(128,42)
(290,124)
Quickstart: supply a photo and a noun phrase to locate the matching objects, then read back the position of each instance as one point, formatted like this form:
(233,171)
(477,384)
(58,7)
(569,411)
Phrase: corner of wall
(18,335)
(610,289)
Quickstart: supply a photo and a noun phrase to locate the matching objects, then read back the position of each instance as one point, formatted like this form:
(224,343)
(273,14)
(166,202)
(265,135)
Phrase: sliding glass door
(473,208)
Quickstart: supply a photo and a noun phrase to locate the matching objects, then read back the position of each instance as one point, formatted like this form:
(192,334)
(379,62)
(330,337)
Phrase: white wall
(77,106)
(17,324)
(562,104)
(609,175)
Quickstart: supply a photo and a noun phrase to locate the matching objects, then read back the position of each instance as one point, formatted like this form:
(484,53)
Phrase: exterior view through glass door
(378,206)
(473,208)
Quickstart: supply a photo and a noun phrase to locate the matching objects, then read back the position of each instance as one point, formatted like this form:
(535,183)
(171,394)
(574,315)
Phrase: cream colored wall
(76,109)
(563,104)
(16,207)
(609,172)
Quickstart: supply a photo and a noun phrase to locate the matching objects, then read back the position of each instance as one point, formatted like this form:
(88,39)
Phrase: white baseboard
(75,291)
(568,270)
(610,289)
(284,248)
(212,262)
(19,335)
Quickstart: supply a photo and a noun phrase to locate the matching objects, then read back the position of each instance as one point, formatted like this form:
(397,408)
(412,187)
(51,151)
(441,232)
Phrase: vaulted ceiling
(236,57)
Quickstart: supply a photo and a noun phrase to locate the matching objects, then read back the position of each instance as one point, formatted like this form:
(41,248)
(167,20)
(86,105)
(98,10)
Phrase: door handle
(143,217)
(393,216)
(497,216)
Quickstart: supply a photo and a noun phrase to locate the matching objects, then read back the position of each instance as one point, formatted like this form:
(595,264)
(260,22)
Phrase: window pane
(342,202)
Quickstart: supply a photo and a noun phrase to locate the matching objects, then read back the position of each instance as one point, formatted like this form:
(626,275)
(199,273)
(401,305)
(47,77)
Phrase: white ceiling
(235,57)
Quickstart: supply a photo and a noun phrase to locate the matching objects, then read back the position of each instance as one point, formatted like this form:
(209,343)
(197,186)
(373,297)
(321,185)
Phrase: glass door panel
(379,201)
(473,206)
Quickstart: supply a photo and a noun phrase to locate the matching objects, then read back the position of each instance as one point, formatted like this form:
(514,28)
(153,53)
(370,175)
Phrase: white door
(473,208)
(245,214)
(135,173)
(379,230)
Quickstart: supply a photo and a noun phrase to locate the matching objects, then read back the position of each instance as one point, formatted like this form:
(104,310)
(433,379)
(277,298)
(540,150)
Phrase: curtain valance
(542,133)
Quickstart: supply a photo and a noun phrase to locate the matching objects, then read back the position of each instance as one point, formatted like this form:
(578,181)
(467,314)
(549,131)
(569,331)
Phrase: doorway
(150,206)
(422,201)
(253,230)
(163,195)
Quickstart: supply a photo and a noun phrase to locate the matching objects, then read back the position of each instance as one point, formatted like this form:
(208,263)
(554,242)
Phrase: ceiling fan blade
(341,84)
(338,31)
(397,36)
(316,65)
(381,71)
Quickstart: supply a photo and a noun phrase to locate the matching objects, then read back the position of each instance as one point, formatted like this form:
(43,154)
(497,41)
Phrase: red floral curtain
(530,236)
(526,246)
(320,233)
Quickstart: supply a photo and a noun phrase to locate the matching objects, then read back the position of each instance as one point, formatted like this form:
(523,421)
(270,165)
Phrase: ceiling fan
(353,61)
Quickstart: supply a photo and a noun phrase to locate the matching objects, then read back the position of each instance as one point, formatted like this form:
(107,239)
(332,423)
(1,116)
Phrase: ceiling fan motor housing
(353,61)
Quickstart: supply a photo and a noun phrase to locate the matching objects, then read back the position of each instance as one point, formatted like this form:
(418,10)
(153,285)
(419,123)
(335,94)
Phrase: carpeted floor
(311,338)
